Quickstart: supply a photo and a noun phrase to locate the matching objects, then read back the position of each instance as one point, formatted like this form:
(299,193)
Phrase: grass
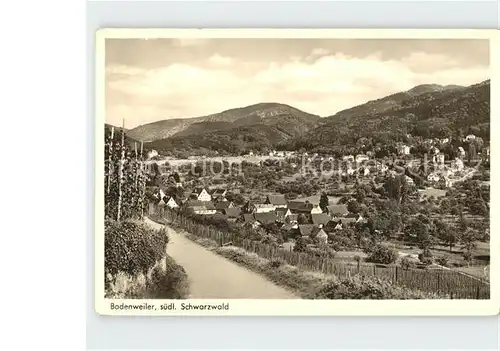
(308,284)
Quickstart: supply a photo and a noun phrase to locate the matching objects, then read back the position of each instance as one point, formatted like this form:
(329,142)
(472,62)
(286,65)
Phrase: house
(170,202)
(306,229)
(218,194)
(409,180)
(439,158)
(152,153)
(320,218)
(361,158)
(457,164)
(200,207)
(249,220)
(319,234)
(293,218)
(316,210)
(203,210)
(283,214)
(461,151)
(445,140)
(278,201)
(337,210)
(232,212)
(349,158)
(261,208)
(433,177)
(403,149)
(223,205)
(470,137)
(265,218)
(353,218)
(201,194)
(297,207)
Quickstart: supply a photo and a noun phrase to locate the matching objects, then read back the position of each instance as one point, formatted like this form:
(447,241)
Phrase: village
(346,208)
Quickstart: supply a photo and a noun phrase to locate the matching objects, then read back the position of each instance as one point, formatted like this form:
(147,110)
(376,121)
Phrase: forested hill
(266,114)
(252,128)
(435,112)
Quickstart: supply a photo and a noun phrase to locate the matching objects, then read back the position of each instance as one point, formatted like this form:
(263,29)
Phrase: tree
(302,219)
(324,201)
(353,206)
(468,241)
(300,245)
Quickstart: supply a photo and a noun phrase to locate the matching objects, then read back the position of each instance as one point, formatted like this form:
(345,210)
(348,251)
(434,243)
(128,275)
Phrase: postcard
(271,172)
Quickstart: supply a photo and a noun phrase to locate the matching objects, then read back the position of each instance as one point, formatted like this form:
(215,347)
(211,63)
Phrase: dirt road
(214,277)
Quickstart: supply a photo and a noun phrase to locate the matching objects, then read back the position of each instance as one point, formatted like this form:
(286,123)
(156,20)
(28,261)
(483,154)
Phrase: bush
(407,263)
(443,261)
(426,257)
(276,263)
(364,288)
(382,254)
(167,281)
(132,247)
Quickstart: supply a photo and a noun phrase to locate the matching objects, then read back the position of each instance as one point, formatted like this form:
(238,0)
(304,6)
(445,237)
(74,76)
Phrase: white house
(445,141)
(316,210)
(439,158)
(457,164)
(262,208)
(409,180)
(201,194)
(361,158)
(461,151)
(433,177)
(470,137)
(203,210)
(403,149)
(171,203)
(152,154)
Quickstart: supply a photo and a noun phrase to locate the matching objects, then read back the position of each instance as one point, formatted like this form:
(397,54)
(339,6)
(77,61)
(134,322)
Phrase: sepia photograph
(311,167)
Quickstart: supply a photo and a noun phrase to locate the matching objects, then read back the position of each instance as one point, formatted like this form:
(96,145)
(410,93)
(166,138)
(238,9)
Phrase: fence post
(374,269)
(478,292)
(396,276)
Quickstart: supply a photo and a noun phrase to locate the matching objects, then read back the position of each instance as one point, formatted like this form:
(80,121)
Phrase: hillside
(117,134)
(266,114)
(394,100)
(426,111)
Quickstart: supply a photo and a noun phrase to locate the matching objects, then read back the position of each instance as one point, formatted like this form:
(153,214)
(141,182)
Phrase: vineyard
(445,282)
(125,178)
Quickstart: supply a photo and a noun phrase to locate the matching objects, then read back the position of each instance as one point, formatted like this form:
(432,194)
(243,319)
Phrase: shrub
(407,263)
(132,247)
(426,257)
(443,261)
(167,281)
(382,254)
(276,263)
(361,288)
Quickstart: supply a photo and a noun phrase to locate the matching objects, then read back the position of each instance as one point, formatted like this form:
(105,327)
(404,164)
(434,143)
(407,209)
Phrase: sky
(158,79)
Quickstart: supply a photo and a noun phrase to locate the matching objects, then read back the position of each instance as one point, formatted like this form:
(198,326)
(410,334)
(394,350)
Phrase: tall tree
(324,201)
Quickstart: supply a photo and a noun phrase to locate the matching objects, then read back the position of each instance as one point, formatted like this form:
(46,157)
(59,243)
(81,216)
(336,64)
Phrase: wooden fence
(451,283)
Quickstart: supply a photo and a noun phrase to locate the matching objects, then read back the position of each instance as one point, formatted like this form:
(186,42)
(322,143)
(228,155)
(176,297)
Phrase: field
(428,192)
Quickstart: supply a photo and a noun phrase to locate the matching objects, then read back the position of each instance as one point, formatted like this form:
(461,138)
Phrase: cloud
(219,60)
(184,42)
(323,86)
(319,52)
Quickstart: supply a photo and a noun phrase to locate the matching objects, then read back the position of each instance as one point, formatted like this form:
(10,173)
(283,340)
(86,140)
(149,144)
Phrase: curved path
(215,277)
